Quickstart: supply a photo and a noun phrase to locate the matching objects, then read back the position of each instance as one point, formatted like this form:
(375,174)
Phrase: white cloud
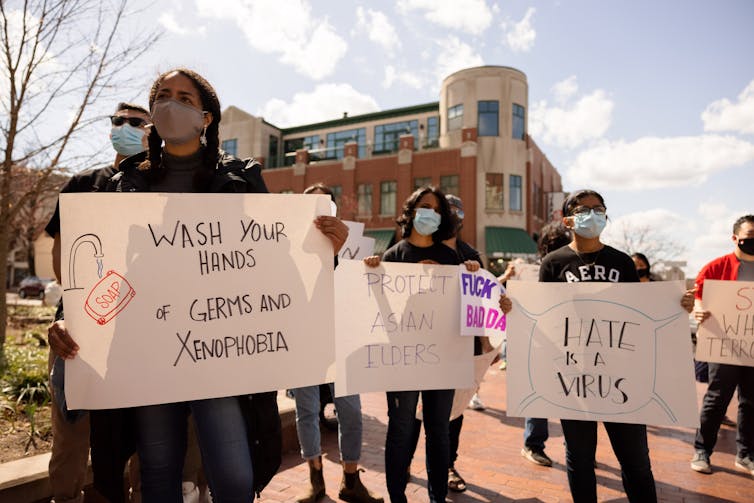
(325,102)
(521,37)
(565,89)
(409,79)
(656,225)
(170,23)
(713,230)
(378,28)
(471,16)
(570,124)
(455,55)
(289,28)
(651,162)
(722,115)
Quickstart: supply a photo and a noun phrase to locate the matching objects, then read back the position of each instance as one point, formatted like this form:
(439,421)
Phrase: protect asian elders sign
(600,351)
(175,297)
(397,329)
(727,336)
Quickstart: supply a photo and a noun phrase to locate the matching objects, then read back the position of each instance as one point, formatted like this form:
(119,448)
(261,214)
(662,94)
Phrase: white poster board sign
(397,329)
(727,336)
(480,304)
(526,272)
(462,396)
(175,297)
(357,245)
(601,351)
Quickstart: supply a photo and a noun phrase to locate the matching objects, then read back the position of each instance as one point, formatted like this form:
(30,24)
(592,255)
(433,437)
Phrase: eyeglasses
(119,120)
(585,210)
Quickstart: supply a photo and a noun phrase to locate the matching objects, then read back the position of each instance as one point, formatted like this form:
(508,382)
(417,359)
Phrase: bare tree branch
(55,55)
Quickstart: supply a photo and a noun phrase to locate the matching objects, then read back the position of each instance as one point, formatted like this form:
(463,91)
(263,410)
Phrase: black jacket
(232,175)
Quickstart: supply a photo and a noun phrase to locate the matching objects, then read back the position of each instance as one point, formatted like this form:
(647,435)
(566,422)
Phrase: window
(536,200)
(310,143)
(387,136)
(519,121)
(422,181)
(515,193)
(488,121)
(387,197)
(493,191)
(230,146)
(272,159)
(364,193)
(337,192)
(455,117)
(449,184)
(433,132)
(336,142)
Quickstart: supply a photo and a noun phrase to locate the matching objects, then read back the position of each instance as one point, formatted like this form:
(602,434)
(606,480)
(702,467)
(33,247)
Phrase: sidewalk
(491,463)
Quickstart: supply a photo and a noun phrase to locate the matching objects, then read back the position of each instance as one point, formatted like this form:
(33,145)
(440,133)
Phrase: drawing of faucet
(92,239)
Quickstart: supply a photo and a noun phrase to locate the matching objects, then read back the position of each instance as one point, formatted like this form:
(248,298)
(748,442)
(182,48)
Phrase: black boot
(317,489)
(353,491)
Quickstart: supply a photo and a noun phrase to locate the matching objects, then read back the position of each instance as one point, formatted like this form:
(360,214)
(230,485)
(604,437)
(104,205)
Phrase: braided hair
(210,103)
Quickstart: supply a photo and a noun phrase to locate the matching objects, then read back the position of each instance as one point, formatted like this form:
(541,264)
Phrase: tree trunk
(4,242)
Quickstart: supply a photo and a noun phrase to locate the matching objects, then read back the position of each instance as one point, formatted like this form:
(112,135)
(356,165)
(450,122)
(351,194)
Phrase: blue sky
(651,103)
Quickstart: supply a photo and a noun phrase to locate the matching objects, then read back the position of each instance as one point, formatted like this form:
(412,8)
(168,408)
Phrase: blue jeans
(401,409)
(723,380)
(535,433)
(221,431)
(629,443)
(348,409)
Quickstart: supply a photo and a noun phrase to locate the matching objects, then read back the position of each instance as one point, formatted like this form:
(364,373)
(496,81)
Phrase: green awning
(383,239)
(507,241)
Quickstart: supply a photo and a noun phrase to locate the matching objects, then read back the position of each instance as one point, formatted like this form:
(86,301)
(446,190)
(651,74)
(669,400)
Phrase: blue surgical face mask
(426,221)
(589,225)
(126,139)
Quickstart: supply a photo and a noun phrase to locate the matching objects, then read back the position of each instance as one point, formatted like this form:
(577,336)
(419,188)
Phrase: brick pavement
(490,461)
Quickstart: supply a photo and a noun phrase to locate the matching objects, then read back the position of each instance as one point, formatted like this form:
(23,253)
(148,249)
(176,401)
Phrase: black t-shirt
(467,252)
(403,251)
(607,264)
(91,180)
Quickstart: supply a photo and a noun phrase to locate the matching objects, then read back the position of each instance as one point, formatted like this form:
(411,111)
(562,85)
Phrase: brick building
(472,143)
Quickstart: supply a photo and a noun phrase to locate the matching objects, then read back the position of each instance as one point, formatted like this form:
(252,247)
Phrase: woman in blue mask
(425,221)
(586,258)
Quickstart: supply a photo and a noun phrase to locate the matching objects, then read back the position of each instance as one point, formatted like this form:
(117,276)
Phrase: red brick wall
(434,163)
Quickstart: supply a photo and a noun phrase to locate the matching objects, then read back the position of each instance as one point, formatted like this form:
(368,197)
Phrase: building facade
(472,143)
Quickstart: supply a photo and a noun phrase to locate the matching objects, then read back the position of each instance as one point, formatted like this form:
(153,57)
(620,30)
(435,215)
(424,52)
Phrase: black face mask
(746,245)
(643,273)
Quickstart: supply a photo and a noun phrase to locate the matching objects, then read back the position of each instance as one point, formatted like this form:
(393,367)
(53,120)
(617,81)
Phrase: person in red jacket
(724,378)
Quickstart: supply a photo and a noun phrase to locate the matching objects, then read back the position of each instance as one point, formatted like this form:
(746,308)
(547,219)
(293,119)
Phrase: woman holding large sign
(426,221)
(184,157)
(586,258)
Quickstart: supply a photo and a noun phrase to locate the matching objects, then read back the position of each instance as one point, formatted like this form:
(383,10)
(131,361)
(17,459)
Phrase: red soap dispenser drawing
(110,295)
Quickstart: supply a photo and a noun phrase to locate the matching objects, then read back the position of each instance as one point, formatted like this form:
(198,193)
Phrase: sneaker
(475,403)
(745,464)
(536,456)
(700,462)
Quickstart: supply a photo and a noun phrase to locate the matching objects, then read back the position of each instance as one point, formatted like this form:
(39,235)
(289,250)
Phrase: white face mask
(176,122)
